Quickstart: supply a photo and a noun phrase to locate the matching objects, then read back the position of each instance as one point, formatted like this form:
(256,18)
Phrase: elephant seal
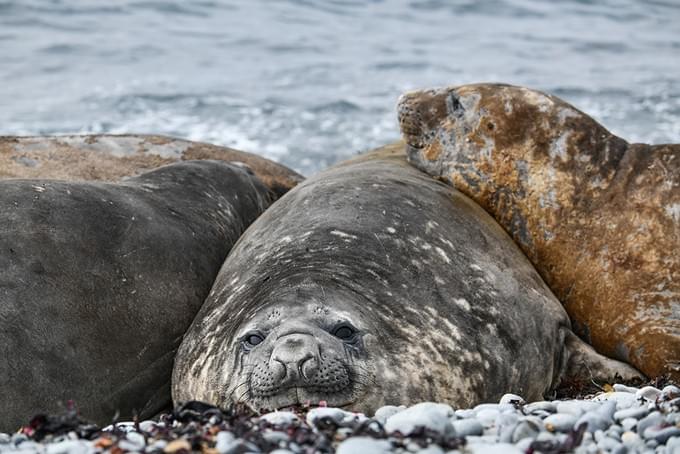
(597,216)
(373,284)
(111,157)
(99,281)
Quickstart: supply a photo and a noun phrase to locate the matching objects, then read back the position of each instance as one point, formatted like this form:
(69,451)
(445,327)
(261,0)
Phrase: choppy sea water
(309,82)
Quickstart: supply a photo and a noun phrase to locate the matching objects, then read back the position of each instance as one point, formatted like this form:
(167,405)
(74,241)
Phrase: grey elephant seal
(111,157)
(373,284)
(597,216)
(99,281)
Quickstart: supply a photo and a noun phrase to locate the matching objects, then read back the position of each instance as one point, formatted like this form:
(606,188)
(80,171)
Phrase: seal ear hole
(490,126)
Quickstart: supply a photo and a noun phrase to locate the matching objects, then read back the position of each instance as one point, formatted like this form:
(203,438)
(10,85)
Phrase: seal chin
(300,397)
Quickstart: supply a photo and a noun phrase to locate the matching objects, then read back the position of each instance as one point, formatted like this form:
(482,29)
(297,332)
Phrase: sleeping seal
(98,282)
(597,216)
(107,157)
(373,284)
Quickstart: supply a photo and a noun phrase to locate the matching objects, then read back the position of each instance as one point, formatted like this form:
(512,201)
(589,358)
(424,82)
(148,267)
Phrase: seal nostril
(308,367)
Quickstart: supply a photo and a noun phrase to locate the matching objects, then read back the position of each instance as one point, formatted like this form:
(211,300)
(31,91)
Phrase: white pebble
(560,422)
(497,448)
(648,393)
(512,399)
(430,415)
(625,389)
(382,413)
(630,438)
(224,440)
(340,417)
(467,427)
(365,445)
(280,418)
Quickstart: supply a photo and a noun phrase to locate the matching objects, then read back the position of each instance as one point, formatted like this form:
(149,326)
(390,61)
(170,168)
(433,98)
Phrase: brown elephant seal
(112,157)
(373,284)
(99,281)
(597,216)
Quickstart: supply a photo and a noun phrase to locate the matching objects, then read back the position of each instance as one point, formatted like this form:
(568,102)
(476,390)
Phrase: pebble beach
(620,419)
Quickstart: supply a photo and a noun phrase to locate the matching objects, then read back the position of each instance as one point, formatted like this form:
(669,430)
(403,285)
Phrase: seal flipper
(584,363)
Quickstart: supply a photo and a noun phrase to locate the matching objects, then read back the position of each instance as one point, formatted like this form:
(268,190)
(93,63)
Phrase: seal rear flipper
(585,364)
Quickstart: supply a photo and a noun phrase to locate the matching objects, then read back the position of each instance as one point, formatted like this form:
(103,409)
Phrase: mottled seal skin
(597,216)
(111,157)
(373,284)
(99,281)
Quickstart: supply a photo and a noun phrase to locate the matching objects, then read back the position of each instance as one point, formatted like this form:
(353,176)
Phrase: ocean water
(310,82)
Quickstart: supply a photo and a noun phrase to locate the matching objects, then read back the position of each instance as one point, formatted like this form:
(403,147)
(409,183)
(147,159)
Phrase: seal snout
(295,358)
(420,115)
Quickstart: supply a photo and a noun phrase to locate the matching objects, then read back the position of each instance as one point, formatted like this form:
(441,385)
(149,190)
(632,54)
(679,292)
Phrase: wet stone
(426,415)
(467,427)
(497,448)
(549,407)
(223,440)
(526,428)
(648,393)
(661,435)
(654,419)
(434,449)
(623,388)
(382,413)
(636,412)
(340,417)
(512,399)
(575,407)
(365,445)
(623,400)
(560,422)
(464,414)
(487,416)
(280,418)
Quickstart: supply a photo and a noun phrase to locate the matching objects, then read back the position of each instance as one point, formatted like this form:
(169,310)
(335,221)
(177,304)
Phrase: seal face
(597,216)
(373,284)
(309,354)
(99,281)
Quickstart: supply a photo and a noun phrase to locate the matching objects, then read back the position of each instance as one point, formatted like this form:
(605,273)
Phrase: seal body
(98,282)
(111,157)
(597,216)
(373,284)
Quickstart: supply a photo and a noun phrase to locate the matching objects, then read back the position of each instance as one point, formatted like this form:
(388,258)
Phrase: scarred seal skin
(597,216)
(110,157)
(99,281)
(373,284)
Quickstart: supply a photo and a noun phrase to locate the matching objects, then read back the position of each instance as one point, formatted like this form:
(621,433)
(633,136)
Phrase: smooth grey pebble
(661,435)
(382,413)
(560,422)
(467,427)
(526,428)
(512,399)
(635,412)
(364,445)
(544,405)
(651,420)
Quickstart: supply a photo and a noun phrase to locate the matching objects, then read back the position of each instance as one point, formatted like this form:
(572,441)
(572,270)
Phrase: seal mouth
(299,397)
(409,122)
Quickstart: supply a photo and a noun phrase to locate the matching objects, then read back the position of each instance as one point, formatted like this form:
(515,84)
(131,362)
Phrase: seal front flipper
(585,364)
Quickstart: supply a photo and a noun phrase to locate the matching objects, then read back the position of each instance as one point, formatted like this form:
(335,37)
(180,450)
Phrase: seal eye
(344,331)
(252,339)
